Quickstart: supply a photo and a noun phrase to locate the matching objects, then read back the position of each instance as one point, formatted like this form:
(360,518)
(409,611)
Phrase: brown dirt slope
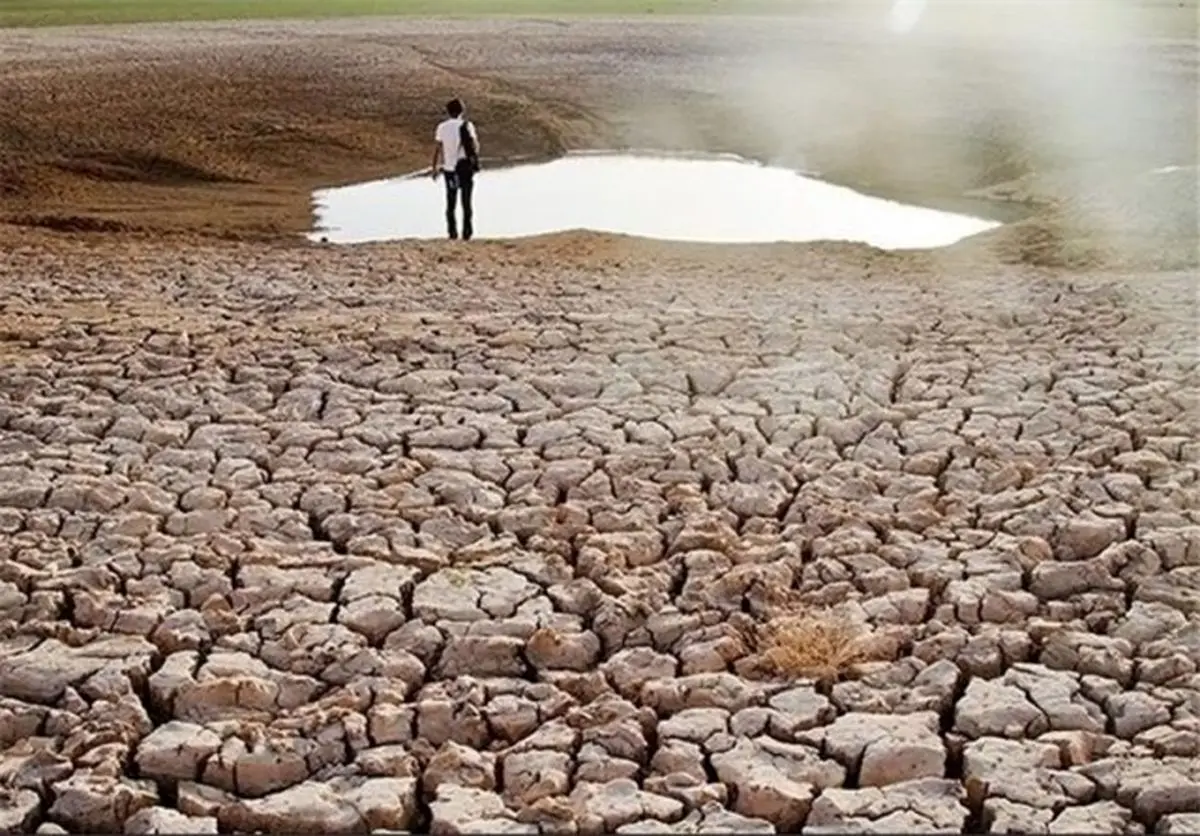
(228,137)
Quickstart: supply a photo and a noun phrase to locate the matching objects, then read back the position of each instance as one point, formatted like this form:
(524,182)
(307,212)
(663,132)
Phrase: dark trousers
(461,181)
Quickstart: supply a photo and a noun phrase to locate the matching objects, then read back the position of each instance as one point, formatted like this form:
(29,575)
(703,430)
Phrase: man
(455,158)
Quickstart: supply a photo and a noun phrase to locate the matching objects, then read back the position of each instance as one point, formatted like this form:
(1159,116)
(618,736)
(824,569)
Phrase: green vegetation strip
(87,12)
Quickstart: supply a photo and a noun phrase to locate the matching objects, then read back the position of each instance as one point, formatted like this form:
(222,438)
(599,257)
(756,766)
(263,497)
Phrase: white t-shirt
(452,150)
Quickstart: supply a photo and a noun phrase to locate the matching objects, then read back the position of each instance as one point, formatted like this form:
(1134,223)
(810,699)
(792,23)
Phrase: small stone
(992,708)
(175,751)
(167,821)
(1179,824)
(1101,817)
(889,749)
(18,810)
(928,805)
(1133,712)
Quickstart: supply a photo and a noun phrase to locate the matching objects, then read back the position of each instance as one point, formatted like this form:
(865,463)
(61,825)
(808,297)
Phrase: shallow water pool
(710,199)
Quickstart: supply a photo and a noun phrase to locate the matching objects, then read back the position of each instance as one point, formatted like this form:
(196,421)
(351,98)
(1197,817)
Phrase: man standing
(456,158)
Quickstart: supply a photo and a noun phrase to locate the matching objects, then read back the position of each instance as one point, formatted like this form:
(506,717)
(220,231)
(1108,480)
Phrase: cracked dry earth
(416,538)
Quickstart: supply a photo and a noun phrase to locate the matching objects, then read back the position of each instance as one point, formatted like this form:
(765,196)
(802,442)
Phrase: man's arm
(475,136)
(436,165)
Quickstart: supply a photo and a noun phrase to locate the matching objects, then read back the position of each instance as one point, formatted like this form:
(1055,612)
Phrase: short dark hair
(454,108)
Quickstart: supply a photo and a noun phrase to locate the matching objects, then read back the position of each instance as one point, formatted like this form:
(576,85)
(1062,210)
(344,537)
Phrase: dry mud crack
(457,541)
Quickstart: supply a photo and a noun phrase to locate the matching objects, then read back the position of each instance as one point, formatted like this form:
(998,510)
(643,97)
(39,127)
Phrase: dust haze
(1075,102)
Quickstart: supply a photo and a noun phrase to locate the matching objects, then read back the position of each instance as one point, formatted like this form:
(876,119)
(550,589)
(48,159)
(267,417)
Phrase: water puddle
(710,199)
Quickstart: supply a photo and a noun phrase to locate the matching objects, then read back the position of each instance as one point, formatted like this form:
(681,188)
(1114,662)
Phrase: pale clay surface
(424,538)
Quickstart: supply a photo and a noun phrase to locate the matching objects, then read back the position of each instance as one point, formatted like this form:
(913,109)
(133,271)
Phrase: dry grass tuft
(818,647)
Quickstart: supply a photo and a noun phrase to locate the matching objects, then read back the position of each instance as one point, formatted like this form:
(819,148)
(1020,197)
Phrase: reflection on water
(713,199)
